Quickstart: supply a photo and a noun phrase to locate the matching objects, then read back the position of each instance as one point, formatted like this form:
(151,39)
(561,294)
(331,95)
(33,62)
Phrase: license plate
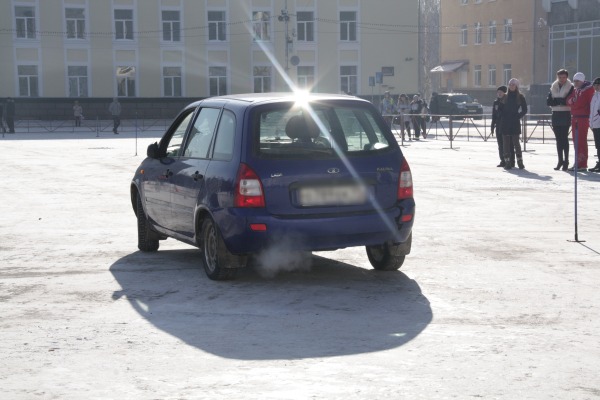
(339,195)
(472,111)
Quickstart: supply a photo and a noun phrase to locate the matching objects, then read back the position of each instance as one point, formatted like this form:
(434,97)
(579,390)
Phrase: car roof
(274,97)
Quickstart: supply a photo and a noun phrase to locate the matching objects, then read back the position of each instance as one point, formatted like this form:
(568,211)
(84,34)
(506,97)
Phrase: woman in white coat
(595,121)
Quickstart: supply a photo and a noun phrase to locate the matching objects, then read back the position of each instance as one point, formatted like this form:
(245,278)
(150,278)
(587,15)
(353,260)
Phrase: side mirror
(152,151)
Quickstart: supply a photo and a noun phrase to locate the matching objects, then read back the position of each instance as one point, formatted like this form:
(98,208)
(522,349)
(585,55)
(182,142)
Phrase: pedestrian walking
(115,110)
(580,101)
(77,113)
(10,114)
(514,108)
(495,127)
(403,109)
(595,121)
(560,90)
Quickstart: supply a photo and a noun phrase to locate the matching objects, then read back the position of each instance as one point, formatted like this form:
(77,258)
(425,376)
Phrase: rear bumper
(315,233)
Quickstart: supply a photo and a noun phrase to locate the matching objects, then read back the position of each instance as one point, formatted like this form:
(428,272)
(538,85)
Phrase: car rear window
(462,99)
(319,131)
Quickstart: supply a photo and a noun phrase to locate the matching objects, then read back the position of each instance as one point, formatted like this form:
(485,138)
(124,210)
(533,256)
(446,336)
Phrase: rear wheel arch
(134,194)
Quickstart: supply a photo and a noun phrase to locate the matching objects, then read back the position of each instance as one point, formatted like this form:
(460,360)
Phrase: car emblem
(333,171)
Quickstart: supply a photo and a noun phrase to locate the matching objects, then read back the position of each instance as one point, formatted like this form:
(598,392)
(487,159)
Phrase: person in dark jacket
(561,116)
(514,107)
(495,127)
(10,114)
(434,107)
(416,110)
(2,119)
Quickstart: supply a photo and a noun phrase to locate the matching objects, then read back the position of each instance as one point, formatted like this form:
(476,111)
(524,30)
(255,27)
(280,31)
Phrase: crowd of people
(575,109)
(575,105)
(406,113)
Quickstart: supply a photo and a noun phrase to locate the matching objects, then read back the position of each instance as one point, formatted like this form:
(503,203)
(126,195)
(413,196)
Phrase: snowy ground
(494,302)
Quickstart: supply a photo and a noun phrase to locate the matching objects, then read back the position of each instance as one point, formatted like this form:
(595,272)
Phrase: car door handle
(197,175)
(168,174)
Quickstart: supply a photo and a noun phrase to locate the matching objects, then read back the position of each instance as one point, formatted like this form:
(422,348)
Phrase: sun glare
(302,98)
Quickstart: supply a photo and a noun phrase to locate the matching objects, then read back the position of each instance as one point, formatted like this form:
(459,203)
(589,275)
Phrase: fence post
(524,132)
(450,130)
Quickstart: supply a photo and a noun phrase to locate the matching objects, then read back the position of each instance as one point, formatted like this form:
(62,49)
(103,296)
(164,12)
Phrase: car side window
(174,144)
(225,137)
(202,133)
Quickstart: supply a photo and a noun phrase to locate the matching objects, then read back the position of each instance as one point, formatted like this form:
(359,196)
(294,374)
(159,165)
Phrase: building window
(217,28)
(217,77)
(492,28)
(464,2)
(306,77)
(28,80)
(507,73)
(478,33)
(477,76)
(348,26)
(305,26)
(492,75)
(171,26)
(25,20)
(463,35)
(261,21)
(75,18)
(575,46)
(262,79)
(349,79)
(126,81)
(124,24)
(78,81)
(172,81)
(507,30)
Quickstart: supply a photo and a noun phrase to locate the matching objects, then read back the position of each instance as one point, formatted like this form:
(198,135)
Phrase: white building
(198,48)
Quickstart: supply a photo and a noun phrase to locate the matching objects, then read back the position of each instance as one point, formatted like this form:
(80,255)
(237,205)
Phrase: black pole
(575,168)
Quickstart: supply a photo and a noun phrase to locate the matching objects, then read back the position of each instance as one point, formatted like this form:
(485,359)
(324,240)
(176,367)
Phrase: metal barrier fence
(533,127)
(91,125)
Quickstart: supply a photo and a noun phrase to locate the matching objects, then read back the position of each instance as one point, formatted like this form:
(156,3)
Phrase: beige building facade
(485,43)
(199,48)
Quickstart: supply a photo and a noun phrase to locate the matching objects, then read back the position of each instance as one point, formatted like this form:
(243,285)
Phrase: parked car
(459,106)
(237,175)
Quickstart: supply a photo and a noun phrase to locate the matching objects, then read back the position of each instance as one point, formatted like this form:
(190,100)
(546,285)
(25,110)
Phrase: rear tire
(218,261)
(383,258)
(147,239)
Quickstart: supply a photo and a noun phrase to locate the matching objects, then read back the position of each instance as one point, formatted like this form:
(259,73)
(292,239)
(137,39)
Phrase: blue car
(237,175)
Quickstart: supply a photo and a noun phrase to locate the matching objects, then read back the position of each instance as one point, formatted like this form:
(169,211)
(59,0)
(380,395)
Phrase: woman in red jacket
(580,101)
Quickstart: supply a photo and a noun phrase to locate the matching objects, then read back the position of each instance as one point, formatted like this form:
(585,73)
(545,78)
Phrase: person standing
(595,121)
(2,119)
(10,114)
(580,101)
(561,115)
(416,109)
(495,127)
(387,108)
(403,108)
(434,107)
(115,110)
(77,113)
(514,108)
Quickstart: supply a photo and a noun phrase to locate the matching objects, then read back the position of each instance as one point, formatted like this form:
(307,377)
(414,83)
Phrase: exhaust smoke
(283,256)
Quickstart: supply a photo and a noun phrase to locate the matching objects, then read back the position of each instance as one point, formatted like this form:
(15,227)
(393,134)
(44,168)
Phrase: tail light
(248,188)
(405,184)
